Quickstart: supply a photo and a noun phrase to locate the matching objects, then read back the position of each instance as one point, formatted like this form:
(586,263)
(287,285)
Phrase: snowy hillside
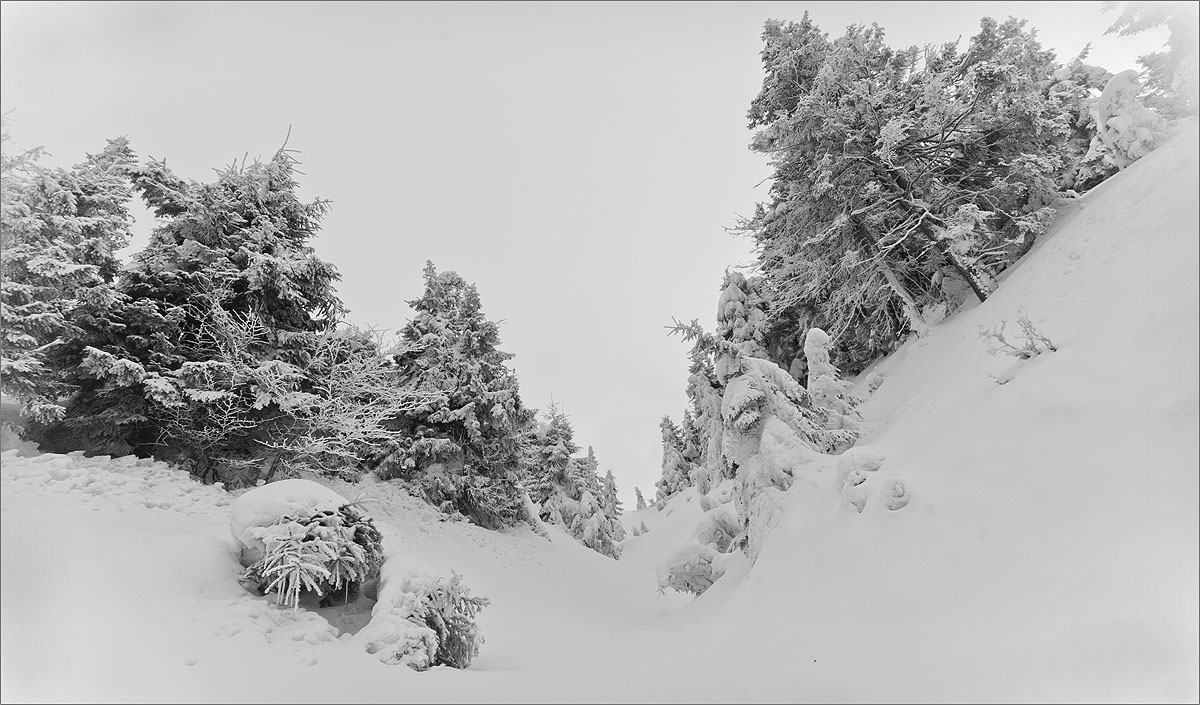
(1048,551)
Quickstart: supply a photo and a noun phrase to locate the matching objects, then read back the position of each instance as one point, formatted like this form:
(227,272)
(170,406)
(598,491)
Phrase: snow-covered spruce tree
(612,505)
(1129,129)
(641,501)
(904,180)
(595,528)
(227,277)
(298,536)
(463,442)
(1087,160)
(703,438)
(422,620)
(676,472)
(827,389)
(693,454)
(554,480)
(568,489)
(1172,77)
(768,423)
(59,230)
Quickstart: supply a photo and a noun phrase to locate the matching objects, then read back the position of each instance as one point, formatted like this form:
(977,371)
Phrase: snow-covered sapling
(449,610)
(331,551)
(421,619)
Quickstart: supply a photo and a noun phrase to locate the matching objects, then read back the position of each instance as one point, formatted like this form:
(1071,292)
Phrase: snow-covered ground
(1049,551)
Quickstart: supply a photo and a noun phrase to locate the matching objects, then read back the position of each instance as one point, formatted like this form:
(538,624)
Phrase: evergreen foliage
(569,490)
(448,608)
(198,354)
(1172,77)
(326,553)
(461,443)
(59,232)
(904,179)
(676,472)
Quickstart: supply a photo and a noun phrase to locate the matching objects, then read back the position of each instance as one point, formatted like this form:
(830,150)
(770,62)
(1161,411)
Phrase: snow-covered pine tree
(594,528)
(1087,162)
(766,418)
(464,441)
(59,230)
(828,391)
(676,474)
(227,281)
(1172,77)
(704,390)
(553,481)
(904,180)
(641,501)
(1129,129)
(611,504)
(741,314)
(569,490)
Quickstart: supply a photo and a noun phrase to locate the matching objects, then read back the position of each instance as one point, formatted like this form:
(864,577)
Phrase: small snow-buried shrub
(449,610)
(693,569)
(421,621)
(1034,344)
(328,552)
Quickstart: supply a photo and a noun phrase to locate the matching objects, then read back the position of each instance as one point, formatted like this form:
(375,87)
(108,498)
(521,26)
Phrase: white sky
(579,162)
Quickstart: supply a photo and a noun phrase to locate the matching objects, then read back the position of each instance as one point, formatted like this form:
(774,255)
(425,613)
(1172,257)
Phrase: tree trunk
(965,269)
(910,303)
(924,217)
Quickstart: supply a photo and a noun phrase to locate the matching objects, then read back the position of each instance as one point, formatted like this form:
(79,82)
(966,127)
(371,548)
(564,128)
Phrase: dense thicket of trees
(58,235)
(905,182)
(222,347)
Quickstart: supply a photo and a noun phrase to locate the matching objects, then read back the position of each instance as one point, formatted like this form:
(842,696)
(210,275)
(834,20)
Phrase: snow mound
(260,507)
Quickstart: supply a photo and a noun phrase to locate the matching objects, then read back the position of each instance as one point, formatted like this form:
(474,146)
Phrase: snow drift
(1047,550)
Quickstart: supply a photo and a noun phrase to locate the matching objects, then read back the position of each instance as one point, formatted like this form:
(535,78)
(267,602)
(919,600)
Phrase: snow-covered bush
(1035,342)
(1129,129)
(297,536)
(421,620)
(693,569)
(825,387)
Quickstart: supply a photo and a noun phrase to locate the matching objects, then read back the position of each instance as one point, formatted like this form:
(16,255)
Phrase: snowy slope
(1049,551)
(1050,548)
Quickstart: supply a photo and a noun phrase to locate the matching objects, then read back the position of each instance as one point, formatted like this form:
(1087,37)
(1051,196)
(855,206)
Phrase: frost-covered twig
(1035,342)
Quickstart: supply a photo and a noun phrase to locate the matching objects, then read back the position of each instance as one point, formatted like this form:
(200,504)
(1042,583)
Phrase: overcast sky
(579,162)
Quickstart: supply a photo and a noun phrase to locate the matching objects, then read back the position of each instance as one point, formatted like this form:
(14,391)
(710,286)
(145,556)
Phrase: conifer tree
(828,391)
(1172,76)
(641,501)
(676,474)
(611,504)
(195,354)
(59,232)
(904,179)
(554,479)
(464,441)
(568,489)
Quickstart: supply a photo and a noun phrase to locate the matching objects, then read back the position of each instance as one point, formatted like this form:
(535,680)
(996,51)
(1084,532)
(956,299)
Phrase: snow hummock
(260,507)
(1029,541)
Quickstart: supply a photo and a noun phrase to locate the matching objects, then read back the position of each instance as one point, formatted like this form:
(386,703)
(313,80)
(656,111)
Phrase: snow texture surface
(1035,541)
